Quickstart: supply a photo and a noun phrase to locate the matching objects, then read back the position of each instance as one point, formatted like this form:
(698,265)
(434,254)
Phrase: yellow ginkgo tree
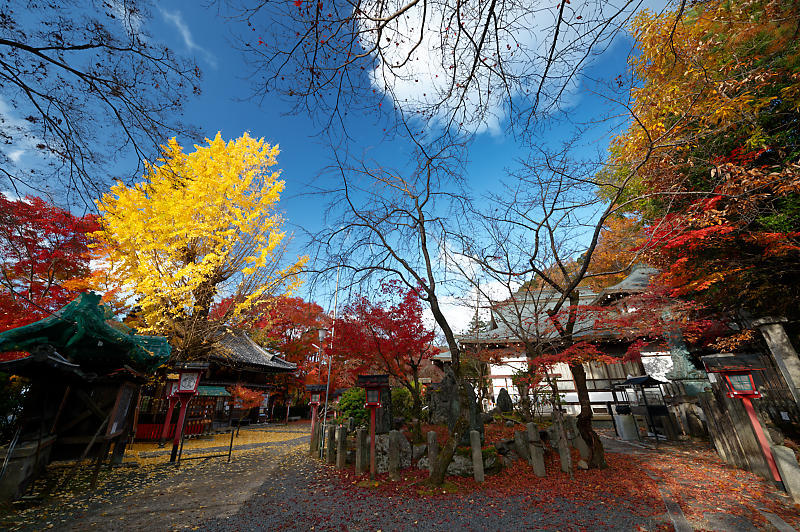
(199,240)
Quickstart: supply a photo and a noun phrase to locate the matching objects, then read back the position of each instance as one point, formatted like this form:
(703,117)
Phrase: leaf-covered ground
(148,484)
(276,486)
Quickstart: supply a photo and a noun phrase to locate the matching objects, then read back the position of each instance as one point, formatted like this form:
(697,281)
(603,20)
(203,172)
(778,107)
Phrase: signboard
(116,421)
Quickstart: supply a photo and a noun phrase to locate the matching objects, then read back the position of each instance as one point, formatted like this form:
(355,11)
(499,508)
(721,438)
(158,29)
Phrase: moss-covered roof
(80,332)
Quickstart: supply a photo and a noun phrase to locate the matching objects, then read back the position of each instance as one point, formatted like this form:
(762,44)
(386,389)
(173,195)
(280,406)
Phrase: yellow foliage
(200,226)
(709,80)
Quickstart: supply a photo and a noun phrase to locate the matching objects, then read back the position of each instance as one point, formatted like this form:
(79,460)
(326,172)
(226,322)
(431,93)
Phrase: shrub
(402,403)
(351,404)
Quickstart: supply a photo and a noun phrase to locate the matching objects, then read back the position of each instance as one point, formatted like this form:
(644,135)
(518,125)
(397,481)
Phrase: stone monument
(445,407)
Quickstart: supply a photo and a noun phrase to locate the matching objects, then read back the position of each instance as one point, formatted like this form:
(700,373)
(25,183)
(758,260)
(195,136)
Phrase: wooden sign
(116,420)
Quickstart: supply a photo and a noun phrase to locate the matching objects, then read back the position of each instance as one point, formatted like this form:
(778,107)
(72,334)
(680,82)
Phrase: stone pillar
(575,438)
(782,352)
(789,470)
(477,455)
(561,444)
(394,454)
(691,380)
(330,457)
(341,447)
(536,450)
(433,451)
(362,453)
(521,445)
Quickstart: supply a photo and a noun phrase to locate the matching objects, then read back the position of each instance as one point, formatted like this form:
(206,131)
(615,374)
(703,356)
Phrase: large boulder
(462,465)
(504,403)
(382,452)
(445,407)
(418,451)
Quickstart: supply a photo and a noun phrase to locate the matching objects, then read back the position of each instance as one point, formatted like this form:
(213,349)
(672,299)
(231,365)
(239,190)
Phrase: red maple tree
(43,250)
(290,326)
(387,336)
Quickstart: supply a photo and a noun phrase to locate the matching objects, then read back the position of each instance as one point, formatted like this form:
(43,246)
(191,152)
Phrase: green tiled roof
(80,331)
(212,391)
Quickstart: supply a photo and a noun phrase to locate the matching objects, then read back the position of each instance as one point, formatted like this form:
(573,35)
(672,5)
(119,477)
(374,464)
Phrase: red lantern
(373,398)
(741,384)
(372,385)
(737,376)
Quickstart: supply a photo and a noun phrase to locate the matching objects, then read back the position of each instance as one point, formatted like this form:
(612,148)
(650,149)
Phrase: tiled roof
(236,348)
(529,307)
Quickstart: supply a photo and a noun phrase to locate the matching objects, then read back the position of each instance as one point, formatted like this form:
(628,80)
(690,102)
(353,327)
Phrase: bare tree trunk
(597,458)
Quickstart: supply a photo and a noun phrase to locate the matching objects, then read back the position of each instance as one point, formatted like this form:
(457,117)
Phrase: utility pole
(330,363)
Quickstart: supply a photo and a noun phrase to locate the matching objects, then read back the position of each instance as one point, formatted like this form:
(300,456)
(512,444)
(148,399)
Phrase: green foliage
(786,218)
(351,404)
(402,403)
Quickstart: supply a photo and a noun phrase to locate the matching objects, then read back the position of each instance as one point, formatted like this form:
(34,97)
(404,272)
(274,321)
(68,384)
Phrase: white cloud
(15,155)
(421,68)
(460,309)
(131,19)
(176,19)
(22,136)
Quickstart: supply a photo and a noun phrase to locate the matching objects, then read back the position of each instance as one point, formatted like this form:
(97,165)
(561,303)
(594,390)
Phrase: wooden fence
(729,425)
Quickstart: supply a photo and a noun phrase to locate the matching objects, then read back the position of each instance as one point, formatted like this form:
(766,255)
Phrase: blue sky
(224,106)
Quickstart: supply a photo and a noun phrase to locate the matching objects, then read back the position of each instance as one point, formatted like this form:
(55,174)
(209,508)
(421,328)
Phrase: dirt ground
(272,484)
(150,493)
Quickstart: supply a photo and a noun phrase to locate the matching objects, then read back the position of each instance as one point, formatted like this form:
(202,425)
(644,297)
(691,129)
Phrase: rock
(510,423)
(504,446)
(444,406)
(521,445)
(504,403)
(477,456)
(394,453)
(509,459)
(491,464)
(383,415)
(583,465)
(575,438)
(433,450)
(487,418)
(362,452)
(544,435)
(418,451)
(462,465)
(382,452)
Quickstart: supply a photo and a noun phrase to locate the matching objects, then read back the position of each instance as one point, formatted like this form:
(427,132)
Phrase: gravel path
(299,496)
(277,486)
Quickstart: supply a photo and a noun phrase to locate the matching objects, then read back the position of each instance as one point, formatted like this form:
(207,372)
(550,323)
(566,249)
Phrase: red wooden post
(313,418)
(762,438)
(179,427)
(165,431)
(372,443)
